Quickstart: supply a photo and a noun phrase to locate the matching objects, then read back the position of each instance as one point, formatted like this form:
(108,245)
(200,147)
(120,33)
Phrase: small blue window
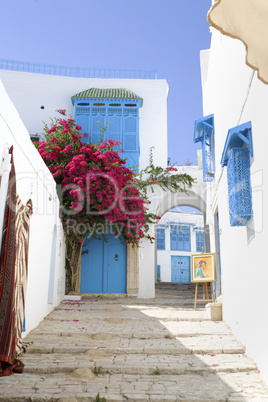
(180,237)
(204,132)
(160,239)
(200,240)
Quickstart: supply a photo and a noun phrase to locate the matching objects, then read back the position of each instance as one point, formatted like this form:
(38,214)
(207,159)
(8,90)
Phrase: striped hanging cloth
(13,277)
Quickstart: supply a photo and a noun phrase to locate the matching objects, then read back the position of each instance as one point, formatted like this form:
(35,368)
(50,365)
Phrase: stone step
(80,385)
(112,318)
(76,343)
(122,327)
(145,364)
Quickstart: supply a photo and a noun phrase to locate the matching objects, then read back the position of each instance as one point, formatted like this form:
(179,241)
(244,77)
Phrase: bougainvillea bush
(97,193)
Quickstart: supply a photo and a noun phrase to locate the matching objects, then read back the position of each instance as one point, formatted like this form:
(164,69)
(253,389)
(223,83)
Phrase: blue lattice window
(161,239)
(200,240)
(239,188)
(236,156)
(180,237)
(122,116)
(204,132)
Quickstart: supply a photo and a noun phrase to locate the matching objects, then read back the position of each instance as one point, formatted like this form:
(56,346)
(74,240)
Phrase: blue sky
(166,35)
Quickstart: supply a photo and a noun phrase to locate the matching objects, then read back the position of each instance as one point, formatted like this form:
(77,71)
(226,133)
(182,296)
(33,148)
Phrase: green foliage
(99,399)
(163,177)
(98,370)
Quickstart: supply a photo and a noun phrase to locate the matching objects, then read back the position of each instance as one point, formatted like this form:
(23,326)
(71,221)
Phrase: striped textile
(13,277)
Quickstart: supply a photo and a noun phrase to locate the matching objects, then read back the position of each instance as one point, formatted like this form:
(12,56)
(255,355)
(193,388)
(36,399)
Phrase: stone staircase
(127,349)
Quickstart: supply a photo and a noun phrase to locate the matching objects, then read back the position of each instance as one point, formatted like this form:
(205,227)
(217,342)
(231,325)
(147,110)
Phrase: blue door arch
(104,266)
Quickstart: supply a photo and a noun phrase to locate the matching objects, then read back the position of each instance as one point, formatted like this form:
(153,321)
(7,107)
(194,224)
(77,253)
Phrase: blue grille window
(236,156)
(161,239)
(200,240)
(123,124)
(204,132)
(180,237)
(239,188)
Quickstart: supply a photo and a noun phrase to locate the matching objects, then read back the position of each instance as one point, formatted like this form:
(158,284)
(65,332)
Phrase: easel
(205,290)
(205,293)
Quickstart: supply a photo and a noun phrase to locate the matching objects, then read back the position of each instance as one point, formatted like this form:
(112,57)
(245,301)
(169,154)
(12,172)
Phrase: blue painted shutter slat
(161,239)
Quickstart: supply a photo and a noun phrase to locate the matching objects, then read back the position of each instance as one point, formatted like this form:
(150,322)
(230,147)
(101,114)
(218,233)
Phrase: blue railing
(80,72)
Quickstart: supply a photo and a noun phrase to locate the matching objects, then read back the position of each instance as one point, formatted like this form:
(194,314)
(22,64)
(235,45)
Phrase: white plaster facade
(46,264)
(234,94)
(194,221)
(30,91)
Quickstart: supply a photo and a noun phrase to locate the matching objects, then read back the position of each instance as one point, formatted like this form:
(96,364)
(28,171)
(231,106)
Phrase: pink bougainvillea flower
(78,127)
(61,111)
(171,168)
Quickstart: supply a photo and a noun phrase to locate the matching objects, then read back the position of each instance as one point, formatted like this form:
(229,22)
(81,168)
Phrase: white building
(46,256)
(136,112)
(179,234)
(233,135)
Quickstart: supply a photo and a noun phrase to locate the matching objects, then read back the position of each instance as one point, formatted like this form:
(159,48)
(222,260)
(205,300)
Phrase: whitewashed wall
(34,181)
(161,202)
(232,91)
(30,91)
(164,256)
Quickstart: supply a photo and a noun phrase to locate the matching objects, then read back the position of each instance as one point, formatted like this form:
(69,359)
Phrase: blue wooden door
(185,269)
(116,268)
(104,266)
(180,269)
(175,268)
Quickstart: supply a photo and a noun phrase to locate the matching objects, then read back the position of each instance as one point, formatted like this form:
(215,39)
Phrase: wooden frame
(203,267)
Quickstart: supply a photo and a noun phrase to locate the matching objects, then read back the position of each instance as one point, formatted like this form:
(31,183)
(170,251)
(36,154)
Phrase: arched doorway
(183,235)
(180,233)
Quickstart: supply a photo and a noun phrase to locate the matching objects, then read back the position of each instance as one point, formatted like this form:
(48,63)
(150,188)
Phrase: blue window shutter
(239,187)
(122,119)
(204,132)
(200,240)
(161,239)
(83,121)
(131,136)
(180,238)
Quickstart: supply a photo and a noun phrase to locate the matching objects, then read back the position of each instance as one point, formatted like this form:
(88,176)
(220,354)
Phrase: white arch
(161,202)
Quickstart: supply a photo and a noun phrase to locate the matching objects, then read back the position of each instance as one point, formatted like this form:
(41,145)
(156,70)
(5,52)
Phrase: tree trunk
(73,264)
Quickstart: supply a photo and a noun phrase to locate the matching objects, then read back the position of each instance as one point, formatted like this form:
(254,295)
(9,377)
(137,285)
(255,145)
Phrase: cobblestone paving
(122,349)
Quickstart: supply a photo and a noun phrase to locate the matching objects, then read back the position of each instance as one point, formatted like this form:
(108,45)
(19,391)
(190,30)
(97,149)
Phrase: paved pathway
(123,349)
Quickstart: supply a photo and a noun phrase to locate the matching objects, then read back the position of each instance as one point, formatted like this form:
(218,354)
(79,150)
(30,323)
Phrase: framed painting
(203,267)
